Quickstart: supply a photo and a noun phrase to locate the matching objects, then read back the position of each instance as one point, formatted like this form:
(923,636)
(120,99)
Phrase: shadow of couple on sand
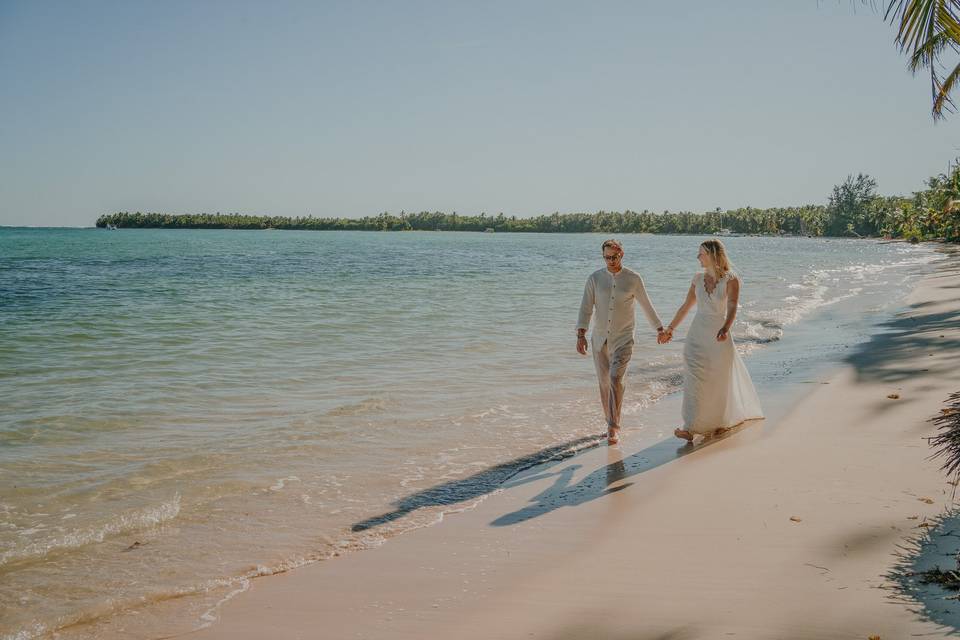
(564,492)
(543,464)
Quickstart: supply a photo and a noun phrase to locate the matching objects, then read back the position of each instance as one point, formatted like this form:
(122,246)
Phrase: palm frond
(926,29)
(947,442)
(942,99)
(948,17)
(928,52)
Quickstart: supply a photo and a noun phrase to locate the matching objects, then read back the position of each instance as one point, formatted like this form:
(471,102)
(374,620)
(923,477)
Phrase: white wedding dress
(717,390)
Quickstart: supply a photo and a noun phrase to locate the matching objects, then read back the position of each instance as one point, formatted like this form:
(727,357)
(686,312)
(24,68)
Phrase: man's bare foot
(613,435)
(684,434)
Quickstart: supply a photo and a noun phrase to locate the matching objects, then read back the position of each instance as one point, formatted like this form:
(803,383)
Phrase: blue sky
(354,108)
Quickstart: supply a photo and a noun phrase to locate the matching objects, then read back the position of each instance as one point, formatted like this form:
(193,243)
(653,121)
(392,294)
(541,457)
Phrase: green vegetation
(854,209)
(748,220)
(926,30)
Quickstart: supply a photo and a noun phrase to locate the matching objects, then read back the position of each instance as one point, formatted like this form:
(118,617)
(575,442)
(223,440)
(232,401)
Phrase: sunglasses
(611,257)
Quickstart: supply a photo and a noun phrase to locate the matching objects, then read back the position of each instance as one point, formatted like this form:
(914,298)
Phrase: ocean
(184,410)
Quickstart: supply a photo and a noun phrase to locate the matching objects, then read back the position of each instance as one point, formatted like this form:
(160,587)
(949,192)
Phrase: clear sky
(525,107)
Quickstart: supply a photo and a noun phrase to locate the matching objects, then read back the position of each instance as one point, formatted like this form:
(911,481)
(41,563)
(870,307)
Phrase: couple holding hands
(717,390)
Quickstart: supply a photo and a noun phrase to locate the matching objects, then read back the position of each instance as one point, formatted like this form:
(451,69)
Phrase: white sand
(701,546)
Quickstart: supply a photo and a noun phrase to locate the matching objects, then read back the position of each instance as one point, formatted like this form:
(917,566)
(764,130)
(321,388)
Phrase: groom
(612,292)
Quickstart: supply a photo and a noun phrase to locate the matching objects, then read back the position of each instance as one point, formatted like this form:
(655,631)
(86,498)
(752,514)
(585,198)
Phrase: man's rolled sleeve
(586,305)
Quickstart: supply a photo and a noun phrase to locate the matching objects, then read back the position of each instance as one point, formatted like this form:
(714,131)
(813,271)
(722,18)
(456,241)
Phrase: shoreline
(711,234)
(795,236)
(653,547)
(785,370)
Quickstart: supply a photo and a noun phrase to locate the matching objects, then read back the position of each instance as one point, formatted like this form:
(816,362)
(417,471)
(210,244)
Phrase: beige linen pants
(611,369)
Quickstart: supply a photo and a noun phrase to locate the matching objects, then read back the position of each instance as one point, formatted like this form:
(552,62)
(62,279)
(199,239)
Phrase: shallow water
(182,410)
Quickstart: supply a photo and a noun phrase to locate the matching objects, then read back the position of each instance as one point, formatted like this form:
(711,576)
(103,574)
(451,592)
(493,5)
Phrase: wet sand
(782,529)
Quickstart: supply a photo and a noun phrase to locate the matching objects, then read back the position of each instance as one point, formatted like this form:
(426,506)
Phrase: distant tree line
(854,209)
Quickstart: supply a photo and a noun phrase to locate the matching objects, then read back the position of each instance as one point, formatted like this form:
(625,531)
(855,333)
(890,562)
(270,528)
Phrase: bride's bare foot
(719,432)
(613,435)
(684,434)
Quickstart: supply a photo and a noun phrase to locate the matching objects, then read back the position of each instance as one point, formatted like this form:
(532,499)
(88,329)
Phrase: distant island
(853,210)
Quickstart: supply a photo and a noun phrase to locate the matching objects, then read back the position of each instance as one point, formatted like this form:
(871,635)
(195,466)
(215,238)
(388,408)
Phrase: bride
(717,390)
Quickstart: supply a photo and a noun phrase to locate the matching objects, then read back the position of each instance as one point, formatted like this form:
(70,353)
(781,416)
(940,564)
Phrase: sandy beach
(789,528)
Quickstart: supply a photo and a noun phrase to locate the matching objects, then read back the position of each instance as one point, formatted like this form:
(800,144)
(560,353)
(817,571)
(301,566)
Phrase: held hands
(664,335)
(722,334)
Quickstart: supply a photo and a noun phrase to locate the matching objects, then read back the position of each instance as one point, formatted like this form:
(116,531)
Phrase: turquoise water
(183,410)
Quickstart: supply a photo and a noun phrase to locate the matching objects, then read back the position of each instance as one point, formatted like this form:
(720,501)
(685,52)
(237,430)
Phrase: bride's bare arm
(733,299)
(684,308)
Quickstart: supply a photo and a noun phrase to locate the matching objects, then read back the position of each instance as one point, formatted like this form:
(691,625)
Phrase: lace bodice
(714,303)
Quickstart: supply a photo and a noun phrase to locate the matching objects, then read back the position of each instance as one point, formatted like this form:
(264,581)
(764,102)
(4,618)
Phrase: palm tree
(927,29)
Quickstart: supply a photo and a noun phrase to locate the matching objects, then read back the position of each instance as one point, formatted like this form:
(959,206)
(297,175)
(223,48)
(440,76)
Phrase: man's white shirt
(613,295)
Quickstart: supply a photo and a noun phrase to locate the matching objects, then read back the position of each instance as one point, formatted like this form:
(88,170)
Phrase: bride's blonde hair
(718,253)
